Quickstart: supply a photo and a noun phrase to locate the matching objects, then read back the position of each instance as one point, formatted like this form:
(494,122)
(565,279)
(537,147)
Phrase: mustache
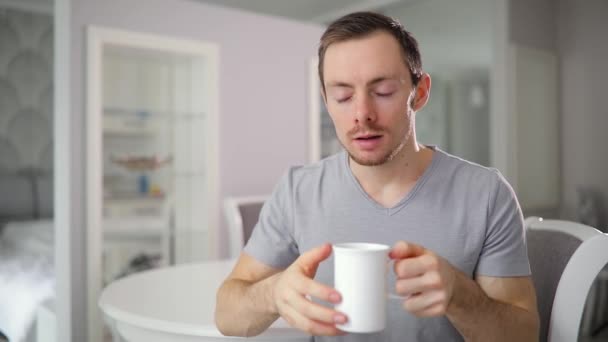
(370,129)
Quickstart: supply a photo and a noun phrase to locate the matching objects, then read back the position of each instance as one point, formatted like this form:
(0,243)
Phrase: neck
(389,182)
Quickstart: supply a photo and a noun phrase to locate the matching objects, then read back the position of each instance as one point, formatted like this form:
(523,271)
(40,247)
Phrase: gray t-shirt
(466,213)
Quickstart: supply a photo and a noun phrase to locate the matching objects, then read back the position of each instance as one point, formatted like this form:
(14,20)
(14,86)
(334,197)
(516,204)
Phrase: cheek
(339,114)
(340,122)
(339,109)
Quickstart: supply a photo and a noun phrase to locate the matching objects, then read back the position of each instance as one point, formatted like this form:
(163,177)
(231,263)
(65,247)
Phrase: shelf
(145,225)
(188,174)
(152,114)
(119,208)
(133,198)
(128,122)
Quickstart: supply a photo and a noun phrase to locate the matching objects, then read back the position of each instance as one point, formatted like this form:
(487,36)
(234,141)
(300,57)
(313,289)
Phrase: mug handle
(391,295)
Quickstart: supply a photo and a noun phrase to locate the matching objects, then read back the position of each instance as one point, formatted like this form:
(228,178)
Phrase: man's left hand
(425,279)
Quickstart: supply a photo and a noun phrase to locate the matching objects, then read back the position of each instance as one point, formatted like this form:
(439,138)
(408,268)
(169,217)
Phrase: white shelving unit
(152,155)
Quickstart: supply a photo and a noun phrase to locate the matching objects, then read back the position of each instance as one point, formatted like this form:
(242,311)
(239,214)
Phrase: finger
(311,259)
(422,301)
(311,327)
(433,311)
(404,249)
(307,286)
(316,311)
(411,267)
(427,282)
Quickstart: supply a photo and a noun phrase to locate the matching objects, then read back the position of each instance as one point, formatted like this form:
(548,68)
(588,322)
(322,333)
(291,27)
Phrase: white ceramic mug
(360,275)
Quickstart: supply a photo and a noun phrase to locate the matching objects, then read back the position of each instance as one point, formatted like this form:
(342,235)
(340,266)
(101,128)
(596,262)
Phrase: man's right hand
(296,283)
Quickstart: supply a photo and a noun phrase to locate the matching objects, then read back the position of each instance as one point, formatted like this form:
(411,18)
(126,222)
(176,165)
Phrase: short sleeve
(504,253)
(272,240)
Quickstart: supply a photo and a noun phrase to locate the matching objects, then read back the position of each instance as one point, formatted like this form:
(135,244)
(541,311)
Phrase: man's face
(368,95)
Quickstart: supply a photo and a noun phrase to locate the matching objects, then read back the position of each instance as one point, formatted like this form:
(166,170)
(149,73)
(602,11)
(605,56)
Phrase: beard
(381,158)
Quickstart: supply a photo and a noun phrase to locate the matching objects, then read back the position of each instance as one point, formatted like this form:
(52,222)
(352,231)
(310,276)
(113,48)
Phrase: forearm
(480,318)
(245,309)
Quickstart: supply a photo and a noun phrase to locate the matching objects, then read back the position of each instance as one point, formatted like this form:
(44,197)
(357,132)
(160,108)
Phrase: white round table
(176,304)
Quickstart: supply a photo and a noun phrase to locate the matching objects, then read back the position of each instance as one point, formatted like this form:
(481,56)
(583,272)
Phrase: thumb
(402,250)
(310,260)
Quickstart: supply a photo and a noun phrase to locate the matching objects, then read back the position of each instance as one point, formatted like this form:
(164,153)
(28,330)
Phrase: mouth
(368,142)
(368,137)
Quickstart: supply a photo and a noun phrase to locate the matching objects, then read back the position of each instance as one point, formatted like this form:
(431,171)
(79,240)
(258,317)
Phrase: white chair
(565,257)
(242,214)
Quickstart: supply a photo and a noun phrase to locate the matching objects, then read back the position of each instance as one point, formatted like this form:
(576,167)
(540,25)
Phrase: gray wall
(532,23)
(582,43)
(469,125)
(577,31)
(456,48)
(263,95)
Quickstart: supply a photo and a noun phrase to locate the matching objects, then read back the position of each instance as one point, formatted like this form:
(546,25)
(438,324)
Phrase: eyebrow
(372,82)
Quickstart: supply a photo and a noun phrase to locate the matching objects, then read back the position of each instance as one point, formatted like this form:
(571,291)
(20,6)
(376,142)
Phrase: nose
(364,109)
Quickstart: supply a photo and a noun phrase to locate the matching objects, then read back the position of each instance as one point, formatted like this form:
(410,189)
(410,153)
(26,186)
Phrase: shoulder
(463,170)
(476,182)
(308,175)
(305,184)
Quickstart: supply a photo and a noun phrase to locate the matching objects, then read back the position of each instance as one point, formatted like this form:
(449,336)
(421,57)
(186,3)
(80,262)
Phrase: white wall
(263,103)
(582,32)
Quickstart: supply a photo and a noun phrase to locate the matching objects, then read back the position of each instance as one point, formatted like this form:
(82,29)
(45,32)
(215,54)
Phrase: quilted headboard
(25,196)
(26,114)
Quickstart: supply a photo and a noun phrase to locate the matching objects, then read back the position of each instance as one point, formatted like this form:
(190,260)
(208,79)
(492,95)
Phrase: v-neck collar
(407,198)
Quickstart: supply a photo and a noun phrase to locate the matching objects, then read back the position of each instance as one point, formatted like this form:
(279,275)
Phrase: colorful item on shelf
(155,190)
(143,184)
(141,163)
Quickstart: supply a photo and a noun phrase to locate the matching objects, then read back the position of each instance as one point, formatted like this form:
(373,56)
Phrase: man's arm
(255,295)
(485,309)
(494,309)
(244,301)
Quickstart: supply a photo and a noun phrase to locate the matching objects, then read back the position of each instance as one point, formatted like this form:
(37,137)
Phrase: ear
(423,92)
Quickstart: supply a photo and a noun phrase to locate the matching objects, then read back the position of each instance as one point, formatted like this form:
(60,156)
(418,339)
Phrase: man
(456,228)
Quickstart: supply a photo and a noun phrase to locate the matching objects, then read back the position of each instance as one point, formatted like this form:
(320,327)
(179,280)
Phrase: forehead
(363,59)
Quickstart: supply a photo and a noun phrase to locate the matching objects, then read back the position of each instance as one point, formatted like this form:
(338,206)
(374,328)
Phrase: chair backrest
(565,258)
(242,214)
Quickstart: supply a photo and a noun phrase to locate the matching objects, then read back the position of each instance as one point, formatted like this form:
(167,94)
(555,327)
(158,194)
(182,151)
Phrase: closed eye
(385,94)
(344,99)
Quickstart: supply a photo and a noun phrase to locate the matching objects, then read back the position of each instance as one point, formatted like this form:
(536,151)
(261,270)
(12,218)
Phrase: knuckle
(289,320)
(397,268)
(402,269)
(285,297)
(433,312)
(407,305)
(432,262)
(304,287)
(441,310)
(442,297)
(400,287)
(307,311)
(434,279)
(307,326)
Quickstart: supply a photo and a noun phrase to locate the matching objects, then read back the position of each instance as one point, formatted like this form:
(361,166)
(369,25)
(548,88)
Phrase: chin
(374,160)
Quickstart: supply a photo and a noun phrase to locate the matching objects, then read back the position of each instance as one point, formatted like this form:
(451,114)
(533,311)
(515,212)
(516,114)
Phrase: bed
(26,252)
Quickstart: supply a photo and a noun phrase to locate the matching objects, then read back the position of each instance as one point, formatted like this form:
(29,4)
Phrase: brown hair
(361,24)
